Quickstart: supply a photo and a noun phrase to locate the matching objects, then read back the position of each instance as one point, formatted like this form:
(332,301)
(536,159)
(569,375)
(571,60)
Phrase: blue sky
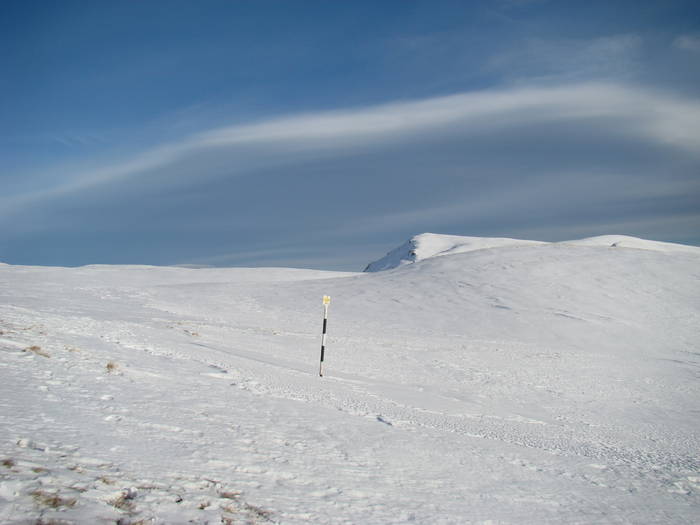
(322,134)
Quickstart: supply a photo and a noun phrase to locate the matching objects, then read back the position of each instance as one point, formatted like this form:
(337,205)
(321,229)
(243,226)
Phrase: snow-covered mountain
(427,245)
(515,382)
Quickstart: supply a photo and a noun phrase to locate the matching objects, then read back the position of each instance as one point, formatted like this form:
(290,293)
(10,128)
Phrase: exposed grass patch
(258,512)
(9,462)
(52,500)
(36,350)
(112,367)
(122,502)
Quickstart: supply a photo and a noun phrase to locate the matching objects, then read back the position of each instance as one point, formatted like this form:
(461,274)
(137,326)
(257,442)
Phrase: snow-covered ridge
(429,245)
(625,241)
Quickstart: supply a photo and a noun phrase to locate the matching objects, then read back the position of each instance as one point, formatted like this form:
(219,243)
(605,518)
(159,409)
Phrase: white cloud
(647,115)
(655,116)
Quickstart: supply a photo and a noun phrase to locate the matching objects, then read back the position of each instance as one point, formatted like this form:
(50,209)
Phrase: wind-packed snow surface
(517,382)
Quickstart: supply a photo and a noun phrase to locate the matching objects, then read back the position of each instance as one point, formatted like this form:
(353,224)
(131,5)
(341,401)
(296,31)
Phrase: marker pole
(326,302)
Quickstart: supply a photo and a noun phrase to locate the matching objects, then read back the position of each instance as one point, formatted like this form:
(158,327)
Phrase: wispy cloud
(528,198)
(570,59)
(653,115)
(688,42)
(650,116)
(78,139)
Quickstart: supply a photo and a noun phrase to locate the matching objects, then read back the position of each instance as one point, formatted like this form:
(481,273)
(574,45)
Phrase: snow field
(542,383)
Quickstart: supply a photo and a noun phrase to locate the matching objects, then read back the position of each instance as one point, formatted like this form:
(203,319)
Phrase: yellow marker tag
(326,299)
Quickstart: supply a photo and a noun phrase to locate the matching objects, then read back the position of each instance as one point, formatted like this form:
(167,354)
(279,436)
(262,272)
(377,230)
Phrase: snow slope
(524,383)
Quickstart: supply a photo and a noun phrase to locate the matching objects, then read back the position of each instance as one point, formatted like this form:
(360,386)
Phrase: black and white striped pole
(326,302)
